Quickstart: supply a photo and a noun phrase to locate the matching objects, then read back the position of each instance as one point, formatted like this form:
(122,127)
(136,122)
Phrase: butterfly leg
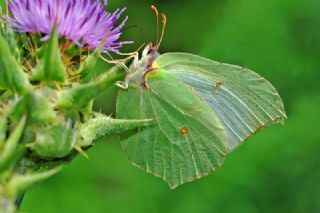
(122,84)
(120,62)
(125,84)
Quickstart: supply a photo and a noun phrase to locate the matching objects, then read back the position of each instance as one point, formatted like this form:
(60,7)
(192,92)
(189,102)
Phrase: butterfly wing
(244,101)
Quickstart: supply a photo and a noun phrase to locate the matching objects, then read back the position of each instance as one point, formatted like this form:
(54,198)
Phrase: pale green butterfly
(205,109)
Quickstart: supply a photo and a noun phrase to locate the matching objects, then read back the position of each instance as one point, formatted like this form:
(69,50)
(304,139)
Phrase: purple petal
(77,20)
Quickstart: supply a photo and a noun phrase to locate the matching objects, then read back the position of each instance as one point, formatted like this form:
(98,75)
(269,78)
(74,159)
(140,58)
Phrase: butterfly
(205,109)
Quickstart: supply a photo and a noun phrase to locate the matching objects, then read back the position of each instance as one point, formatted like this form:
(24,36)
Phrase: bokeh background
(277,170)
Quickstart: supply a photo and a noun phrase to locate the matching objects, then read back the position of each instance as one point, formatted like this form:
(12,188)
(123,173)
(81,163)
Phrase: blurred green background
(277,170)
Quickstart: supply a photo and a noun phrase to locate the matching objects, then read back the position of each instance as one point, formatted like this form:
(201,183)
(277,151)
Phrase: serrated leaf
(50,68)
(244,101)
(188,141)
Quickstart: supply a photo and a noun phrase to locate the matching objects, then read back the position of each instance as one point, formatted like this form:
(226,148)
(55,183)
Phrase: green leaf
(244,101)
(188,141)
(11,75)
(50,67)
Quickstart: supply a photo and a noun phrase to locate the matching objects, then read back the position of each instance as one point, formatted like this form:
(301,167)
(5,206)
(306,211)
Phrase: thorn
(20,183)
(81,152)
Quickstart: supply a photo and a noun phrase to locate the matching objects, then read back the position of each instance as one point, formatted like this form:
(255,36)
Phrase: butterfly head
(139,68)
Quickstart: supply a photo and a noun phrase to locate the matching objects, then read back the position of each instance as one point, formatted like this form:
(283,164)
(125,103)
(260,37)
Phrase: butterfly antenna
(157,19)
(164,23)
(134,52)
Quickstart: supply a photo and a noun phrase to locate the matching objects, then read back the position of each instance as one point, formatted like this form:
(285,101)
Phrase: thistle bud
(55,141)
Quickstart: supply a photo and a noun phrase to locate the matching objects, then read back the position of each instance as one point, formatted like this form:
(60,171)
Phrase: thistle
(46,95)
(179,115)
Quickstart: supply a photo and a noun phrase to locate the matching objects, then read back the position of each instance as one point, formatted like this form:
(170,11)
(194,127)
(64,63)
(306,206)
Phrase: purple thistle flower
(85,22)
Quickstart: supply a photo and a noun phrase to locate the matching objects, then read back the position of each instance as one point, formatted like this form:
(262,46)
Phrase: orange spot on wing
(184,130)
(218,84)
